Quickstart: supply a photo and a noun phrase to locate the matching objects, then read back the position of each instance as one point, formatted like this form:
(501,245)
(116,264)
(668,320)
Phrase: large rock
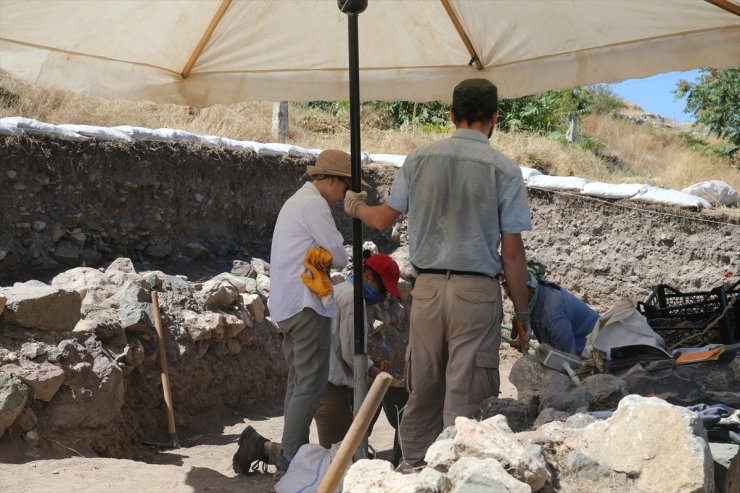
(43,380)
(239,282)
(256,307)
(663,446)
(41,307)
(219,293)
(487,441)
(517,414)
(473,475)
(94,286)
(103,322)
(204,326)
(726,458)
(121,270)
(367,476)
(606,391)
(563,395)
(13,397)
(94,393)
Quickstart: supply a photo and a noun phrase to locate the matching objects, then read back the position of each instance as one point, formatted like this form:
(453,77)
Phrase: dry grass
(633,153)
(655,155)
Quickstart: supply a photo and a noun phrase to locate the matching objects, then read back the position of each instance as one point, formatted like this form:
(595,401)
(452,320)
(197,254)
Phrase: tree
(714,100)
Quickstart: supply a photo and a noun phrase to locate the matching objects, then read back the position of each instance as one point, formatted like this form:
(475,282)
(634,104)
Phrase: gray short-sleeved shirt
(460,195)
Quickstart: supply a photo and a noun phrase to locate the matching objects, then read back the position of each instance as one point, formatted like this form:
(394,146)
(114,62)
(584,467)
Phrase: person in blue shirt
(558,318)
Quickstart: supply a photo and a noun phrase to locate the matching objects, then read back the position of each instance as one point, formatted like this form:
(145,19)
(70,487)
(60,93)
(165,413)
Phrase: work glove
(521,331)
(352,200)
(398,383)
(317,263)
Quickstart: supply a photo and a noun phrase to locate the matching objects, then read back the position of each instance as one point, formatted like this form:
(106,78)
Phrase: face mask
(372,297)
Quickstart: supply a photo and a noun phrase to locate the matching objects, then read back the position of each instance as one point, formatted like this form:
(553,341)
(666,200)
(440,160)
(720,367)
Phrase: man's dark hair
(474,100)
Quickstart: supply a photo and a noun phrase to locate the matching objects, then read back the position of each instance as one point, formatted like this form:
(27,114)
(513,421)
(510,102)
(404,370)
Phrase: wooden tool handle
(355,433)
(163,367)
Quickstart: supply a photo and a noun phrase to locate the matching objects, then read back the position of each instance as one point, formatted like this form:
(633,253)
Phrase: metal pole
(353,8)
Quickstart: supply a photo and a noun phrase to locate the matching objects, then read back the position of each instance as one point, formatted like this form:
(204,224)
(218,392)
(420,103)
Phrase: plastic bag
(307,469)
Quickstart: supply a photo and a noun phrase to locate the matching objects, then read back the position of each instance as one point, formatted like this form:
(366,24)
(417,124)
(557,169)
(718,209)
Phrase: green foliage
(603,100)
(543,113)
(433,116)
(714,100)
(726,150)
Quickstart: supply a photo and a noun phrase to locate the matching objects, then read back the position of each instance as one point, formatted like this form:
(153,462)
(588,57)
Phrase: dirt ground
(205,465)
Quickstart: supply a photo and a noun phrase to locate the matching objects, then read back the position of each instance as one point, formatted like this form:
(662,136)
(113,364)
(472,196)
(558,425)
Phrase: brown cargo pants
(452,356)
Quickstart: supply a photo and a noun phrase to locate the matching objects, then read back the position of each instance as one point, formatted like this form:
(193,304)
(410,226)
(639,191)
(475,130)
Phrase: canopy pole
(353,8)
(725,5)
(206,36)
(463,35)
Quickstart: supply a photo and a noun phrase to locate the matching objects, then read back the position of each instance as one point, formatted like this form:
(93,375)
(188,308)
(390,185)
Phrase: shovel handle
(165,374)
(355,434)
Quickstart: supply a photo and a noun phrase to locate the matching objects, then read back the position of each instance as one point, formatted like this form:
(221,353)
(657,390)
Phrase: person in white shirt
(304,223)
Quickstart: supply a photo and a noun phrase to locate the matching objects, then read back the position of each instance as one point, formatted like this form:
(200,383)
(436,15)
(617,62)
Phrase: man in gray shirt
(464,199)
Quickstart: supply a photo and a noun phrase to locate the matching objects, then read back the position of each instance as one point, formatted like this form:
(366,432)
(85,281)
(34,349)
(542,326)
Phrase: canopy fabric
(203,52)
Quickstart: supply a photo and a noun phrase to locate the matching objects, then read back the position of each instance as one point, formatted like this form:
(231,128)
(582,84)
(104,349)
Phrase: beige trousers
(452,356)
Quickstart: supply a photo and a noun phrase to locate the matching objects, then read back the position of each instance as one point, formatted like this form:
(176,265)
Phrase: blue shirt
(460,195)
(562,320)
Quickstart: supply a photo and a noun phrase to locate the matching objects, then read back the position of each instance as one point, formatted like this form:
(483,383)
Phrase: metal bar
(360,359)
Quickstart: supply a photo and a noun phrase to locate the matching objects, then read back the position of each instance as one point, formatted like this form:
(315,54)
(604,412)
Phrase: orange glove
(520,334)
(398,383)
(317,263)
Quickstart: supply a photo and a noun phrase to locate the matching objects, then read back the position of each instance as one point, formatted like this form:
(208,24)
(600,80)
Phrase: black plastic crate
(734,292)
(672,312)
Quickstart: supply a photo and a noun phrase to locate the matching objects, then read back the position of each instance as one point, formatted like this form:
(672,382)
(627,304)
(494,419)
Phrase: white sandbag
(175,135)
(527,173)
(138,133)
(548,182)
(243,145)
(275,149)
(41,129)
(98,133)
(613,191)
(716,192)
(394,159)
(307,469)
(9,128)
(655,195)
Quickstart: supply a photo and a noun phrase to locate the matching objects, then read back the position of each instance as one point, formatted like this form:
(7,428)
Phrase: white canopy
(202,52)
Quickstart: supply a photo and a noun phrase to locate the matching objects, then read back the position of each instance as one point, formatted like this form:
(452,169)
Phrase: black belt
(450,272)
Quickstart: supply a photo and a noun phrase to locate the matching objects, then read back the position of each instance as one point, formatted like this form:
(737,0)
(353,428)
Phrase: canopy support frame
(205,38)
(463,35)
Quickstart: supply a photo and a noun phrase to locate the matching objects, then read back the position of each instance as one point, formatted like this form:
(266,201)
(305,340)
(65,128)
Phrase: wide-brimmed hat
(388,270)
(333,162)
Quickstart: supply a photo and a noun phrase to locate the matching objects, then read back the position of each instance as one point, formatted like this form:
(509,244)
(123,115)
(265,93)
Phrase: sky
(653,94)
